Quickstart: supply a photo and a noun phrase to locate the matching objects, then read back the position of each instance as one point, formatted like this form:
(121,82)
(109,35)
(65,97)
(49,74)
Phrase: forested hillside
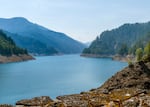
(8,47)
(140,43)
(122,40)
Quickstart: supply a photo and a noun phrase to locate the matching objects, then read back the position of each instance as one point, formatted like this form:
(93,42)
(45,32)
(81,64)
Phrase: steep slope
(56,40)
(140,43)
(34,46)
(8,47)
(111,42)
(130,77)
(9,52)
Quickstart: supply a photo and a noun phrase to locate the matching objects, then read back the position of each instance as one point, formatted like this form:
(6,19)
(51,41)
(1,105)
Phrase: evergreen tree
(8,47)
(123,50)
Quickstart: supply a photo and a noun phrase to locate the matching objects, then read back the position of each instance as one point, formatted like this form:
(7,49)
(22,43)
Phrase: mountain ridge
(57,40)
(110,42)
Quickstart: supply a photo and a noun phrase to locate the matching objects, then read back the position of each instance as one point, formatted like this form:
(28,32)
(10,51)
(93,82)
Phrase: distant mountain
(37,39)
(118,40)
(34,46)
(88,44)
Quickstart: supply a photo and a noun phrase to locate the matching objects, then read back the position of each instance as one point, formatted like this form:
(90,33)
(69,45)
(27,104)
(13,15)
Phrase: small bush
(139,54)
(130,64)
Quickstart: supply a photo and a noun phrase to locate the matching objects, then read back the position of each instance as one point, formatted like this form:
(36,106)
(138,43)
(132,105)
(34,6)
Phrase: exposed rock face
(15,58)
(117,98)
(127,88)
(137,76)
(96,56)
(124,58)
(6,105)
(37,101)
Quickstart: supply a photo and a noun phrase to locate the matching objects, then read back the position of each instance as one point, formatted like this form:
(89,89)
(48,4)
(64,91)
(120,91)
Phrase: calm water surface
(54,76)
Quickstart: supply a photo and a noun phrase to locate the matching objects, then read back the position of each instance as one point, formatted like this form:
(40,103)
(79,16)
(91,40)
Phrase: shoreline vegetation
(96,56)
(113,57)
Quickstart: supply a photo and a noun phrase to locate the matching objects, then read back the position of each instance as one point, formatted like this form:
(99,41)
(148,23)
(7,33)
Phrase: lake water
(53,76)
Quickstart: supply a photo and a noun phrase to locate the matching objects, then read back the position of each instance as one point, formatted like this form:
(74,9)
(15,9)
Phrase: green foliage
(147,49)
(146,56)
(139,54)
(140,43)
(130,63)
(98,47)
(8,47)
(123,50)
(86,50)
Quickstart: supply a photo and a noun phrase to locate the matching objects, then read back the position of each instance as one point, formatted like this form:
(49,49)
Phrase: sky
(82,20)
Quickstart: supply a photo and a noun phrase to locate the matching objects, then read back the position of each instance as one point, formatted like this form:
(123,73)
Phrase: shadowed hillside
(27,34)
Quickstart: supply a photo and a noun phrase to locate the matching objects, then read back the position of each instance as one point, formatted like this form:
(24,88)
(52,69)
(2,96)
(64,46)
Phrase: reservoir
(54,76)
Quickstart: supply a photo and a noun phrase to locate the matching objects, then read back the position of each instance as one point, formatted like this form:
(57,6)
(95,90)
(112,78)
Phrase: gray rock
(5,105)
(37,101)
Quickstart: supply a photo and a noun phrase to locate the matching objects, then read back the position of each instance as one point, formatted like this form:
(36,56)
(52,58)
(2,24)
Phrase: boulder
(37,101)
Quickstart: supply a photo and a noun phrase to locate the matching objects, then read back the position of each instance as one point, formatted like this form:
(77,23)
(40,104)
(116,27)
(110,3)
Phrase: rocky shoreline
(15,58)
(113,57)
(124,89)
(96,56)
(124,58)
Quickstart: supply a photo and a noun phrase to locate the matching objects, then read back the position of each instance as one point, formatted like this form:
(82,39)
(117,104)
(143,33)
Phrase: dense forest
(8,47)
(140,43)
(123,40)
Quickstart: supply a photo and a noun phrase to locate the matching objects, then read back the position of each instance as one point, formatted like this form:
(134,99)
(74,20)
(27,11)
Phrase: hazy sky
(83,20)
